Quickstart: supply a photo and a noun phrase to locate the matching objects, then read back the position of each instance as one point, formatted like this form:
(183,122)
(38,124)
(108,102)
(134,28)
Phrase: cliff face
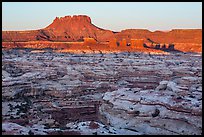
(9,36)
(173,36)
(75,28)
(66,28)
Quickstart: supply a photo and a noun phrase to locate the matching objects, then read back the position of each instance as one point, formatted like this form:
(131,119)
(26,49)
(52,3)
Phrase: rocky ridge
(77,27)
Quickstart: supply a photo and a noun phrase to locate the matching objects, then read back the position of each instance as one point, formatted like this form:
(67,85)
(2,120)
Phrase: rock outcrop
(77,27)
(173,36)
(68,28)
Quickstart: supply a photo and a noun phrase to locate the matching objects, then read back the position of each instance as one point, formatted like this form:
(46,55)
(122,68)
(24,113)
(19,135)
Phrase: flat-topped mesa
(78,17)
(74,17)
(63,29)
(65,21)
(172,36)
(137,30)
(75,28)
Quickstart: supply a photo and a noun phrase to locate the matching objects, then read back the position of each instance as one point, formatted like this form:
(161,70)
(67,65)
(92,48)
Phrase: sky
(115,16)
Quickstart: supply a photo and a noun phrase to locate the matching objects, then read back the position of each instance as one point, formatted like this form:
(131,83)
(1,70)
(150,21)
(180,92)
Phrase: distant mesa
(78,28)
(75,28)
(68,28)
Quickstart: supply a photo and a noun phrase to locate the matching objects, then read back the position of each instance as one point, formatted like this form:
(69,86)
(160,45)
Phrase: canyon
(134,93)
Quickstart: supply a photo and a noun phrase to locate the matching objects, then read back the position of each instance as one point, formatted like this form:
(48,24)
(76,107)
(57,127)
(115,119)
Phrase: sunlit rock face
(68,28)
(172,36)
(76,28)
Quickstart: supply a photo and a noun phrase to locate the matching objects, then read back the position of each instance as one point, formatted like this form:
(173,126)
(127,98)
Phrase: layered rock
(173,36)
(77,27)
(100,93)
(68,28)
(150,113)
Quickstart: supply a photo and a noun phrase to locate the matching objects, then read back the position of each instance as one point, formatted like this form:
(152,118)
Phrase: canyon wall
(173,36)
(78,28)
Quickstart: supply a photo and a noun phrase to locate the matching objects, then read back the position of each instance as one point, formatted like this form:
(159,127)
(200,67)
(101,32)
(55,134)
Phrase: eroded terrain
(101,93)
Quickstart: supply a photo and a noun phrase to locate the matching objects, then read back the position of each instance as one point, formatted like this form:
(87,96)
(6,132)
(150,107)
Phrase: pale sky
(114,16)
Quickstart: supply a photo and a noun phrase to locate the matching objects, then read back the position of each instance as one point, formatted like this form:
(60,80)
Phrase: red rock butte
(80,31)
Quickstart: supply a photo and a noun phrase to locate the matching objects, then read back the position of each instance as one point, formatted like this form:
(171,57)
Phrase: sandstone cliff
(68,28)
(75,28)
(173,36)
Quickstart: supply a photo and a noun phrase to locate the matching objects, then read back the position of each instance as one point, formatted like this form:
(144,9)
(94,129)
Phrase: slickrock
(154,111)
(101,93)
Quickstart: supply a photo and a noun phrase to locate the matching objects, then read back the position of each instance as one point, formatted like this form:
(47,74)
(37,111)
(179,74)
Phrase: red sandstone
(80,28)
